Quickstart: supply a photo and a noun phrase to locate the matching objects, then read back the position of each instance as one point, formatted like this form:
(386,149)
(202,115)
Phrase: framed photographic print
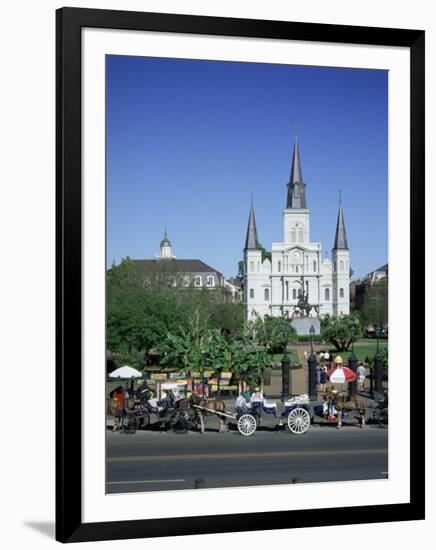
(240,298)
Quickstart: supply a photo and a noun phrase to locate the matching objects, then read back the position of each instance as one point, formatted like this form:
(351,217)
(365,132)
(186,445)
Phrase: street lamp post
(286,369)
(312,367)
(203,364)
(352,363)
(377,367)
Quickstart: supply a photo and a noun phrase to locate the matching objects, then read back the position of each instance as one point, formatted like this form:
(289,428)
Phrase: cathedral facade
(297,273)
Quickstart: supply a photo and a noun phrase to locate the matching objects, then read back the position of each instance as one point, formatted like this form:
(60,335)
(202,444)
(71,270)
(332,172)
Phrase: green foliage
(200,349)
(375,307)
(140,313)
(241,270)
(229,318)
(384,354)
(274,333)
(190,329)
(337,329)
(129,356)
(188,347)
(266,254)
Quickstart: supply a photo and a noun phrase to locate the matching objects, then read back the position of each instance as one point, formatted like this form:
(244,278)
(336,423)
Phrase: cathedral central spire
(296,185)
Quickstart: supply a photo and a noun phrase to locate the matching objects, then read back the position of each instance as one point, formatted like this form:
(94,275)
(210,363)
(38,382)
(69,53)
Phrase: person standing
(361,375)
(323,379)
(318,377)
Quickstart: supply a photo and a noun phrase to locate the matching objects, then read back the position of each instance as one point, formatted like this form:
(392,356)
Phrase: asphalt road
(159,461)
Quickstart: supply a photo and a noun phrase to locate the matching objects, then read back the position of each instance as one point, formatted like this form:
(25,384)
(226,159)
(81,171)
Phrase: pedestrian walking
(361,375)
(318,370)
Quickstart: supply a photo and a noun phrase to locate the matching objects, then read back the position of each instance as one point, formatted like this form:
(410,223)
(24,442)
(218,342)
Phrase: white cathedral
(297,270)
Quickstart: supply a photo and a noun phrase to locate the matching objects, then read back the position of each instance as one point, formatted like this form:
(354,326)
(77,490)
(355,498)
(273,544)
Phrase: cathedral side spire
(341,235)
(296,185)
(251,240)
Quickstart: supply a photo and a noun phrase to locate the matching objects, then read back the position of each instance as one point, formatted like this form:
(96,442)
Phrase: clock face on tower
(296,255)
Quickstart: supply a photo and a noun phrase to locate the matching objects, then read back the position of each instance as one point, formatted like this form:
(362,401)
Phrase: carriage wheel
(380,416)
(179,423)
(129,424)
(247,424)
(298,420)
(143,420)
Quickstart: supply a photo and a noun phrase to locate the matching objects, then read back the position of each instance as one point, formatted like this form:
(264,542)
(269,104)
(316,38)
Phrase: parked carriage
(295,413)
(173,411)
(248,417)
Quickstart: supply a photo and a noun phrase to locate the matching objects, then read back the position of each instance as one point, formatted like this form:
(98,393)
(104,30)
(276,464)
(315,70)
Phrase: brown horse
(114,409)
(343,403)
(213,406)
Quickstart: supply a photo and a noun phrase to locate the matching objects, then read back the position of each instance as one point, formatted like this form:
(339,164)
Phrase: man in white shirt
(361,375)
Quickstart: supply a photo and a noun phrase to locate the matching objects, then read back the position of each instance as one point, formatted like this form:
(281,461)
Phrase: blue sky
(187,140)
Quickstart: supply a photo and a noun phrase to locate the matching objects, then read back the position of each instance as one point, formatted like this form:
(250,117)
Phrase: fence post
(311,390)
(286,377)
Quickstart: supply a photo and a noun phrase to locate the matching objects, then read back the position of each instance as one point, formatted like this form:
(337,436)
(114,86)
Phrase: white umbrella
(126,372)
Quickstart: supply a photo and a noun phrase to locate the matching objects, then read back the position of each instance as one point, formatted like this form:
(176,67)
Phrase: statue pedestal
(303,324)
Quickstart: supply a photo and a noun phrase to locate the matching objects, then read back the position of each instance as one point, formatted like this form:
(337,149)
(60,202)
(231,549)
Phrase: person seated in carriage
(256,397)
(241,404)
(160,406)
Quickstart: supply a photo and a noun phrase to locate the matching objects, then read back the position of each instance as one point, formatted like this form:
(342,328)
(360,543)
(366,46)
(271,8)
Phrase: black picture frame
(69,22)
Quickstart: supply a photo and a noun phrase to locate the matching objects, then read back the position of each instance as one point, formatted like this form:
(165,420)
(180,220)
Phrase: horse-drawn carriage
(172,411)
(295,413)
(175,411)
(248,415)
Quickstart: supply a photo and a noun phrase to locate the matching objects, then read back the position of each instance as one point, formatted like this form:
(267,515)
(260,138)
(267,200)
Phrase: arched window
(279,266)
(341,293)
(267,294)
(296,269)
(327,294)
(335,265)
(314,265)
(341,265)
(300,235)
(294,293)
(251,292)
(251,266)
(293,236)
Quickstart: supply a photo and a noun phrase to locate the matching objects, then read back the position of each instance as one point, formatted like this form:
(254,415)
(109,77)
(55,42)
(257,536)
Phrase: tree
(338,330)
(129,356)
(247,363)
(228,318)
(375,307)
(274,333)
(137,318)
